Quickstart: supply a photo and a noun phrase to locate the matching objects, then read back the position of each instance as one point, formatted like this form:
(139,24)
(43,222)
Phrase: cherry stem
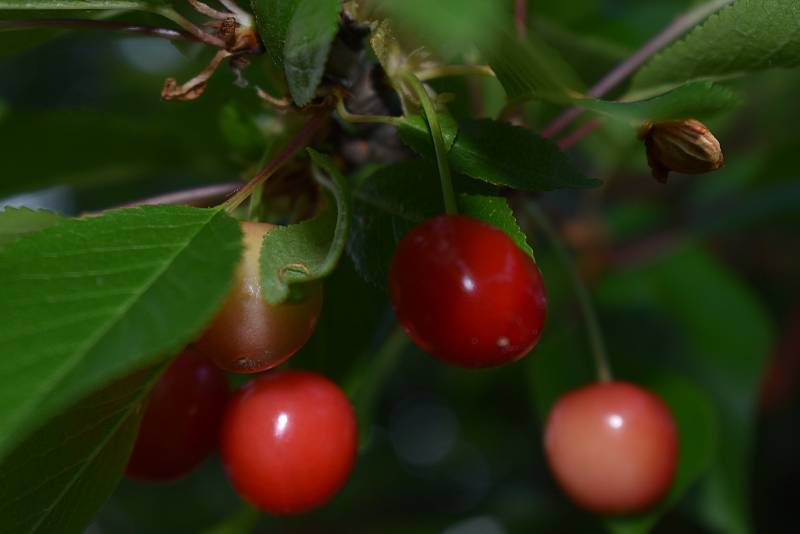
(594,332)
(346,116)
(295,144)
(186,24)
(364,385)
(124,27)
(444,71)
(450,205)
(678,27)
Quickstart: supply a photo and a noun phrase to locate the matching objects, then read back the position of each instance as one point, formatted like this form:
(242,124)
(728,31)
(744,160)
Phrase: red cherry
(466,293)
(612,447)
(181,423)
(289,441)
(249,335)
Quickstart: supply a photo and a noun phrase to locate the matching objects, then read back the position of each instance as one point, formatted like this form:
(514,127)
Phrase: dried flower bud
(685,146)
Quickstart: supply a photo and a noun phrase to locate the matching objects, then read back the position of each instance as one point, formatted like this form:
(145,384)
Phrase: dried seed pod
(685,146)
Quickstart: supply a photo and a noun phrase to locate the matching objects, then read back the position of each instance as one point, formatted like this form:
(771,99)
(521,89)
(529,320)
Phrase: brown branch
(123,27)
(678,27)
(200,196)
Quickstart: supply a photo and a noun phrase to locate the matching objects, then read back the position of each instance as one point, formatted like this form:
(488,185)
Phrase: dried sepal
(685,146)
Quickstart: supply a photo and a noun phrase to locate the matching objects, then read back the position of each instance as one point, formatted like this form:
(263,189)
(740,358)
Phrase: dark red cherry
(180,426)
(466,293)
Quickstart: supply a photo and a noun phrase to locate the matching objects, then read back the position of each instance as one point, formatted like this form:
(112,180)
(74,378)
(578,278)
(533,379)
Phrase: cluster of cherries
(466,294)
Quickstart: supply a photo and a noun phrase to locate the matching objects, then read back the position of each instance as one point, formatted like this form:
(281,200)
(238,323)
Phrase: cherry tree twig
(678,27)
(124,27)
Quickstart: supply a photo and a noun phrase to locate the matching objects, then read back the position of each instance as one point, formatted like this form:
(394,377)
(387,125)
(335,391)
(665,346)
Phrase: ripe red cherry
(466,293)
(288,441)
(612,447)
(248,334)
(180,426)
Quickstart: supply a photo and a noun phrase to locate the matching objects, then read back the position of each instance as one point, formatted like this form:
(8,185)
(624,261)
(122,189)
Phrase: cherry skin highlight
(180,426)
(613,447)
(466,293)
(249,335)
(288,441)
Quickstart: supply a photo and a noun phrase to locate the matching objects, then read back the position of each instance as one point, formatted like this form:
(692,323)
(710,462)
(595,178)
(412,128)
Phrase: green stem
(581,292)
(296,143)
(450,205)
(346,116)
(444,71)
(363,386)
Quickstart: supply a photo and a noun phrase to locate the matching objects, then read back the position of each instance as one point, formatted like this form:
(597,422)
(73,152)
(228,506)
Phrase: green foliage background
(696,282)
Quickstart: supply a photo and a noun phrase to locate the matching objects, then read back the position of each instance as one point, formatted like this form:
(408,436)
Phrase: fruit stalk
(594,332)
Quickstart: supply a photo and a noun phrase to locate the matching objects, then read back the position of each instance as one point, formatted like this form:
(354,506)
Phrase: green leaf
(413,131)
(507,155)
(94,148)
(497,212)
(16,222)
(723,335)
(58,478)
(90,300)
(692,100)
(386,205)
(697,423)
(526,69)
(298,36)
(307,252)
(467,21)
(530,69)
(744,37)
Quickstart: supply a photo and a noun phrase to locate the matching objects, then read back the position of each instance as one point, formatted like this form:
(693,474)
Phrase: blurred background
(696,283)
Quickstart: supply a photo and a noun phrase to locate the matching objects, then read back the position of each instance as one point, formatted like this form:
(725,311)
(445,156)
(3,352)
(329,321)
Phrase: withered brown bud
(685,146)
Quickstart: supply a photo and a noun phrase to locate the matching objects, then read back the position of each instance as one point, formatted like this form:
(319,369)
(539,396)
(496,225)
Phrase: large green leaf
(16,222)
(87,301)
(298,36)
(746,36)
(722,336)
(308,251)
(503,154)
(695,100)
(93,148)
(58,478)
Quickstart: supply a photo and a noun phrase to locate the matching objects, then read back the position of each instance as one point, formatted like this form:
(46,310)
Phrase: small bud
(685,146)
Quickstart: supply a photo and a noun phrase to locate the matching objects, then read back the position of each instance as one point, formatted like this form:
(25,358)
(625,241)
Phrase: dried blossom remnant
(685,146)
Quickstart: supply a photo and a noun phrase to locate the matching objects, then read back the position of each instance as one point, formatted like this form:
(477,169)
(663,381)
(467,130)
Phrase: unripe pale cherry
(466,293)
(613,447)
(180,426)
(288,441)
(249,335)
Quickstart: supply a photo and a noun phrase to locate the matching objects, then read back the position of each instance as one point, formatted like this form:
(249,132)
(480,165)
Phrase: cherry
(612,447)
(466,293)
(180,426)
(288,441)
(250,335)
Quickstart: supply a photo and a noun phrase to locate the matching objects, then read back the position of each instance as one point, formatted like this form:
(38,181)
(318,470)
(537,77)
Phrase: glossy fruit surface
(613,447)
(466,293)
(180,426)
(288,441)
(249,335)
